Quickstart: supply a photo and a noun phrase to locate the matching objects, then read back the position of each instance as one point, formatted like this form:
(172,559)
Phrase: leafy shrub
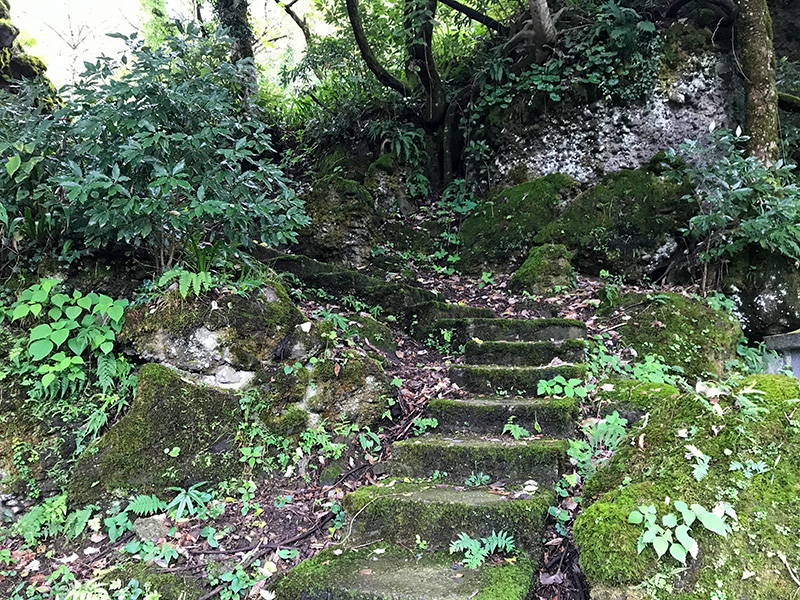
(152,155)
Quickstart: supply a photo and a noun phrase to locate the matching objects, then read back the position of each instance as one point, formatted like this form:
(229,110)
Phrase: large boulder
(344,222)
(498,233)
(166,412)
(766,289)
(752,470)
(685,332)
(546,268)
(222,342)
(628,224)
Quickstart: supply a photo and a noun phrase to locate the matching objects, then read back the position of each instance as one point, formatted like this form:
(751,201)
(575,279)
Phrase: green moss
(378,334)
(631,398)
(686,332)
(423,319)
(166,411)
(531,354)
(463,455)
(555,417)
(654,470)
(621,223)
(399,572)
(522,381)
(169,586)
(545,268)
(385,162)
(511,330)
(501,230)
(5,9)
(438,513)
(683,42)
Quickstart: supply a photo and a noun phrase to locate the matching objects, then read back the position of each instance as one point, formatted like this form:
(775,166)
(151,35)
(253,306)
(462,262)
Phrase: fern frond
(144,505)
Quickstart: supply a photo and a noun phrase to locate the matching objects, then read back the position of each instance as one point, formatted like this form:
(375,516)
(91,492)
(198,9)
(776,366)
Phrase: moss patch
(627,223)
(545,268)
(686,332)
(166,411)
(522,381)
(512,330)
(169,586)
(753,467)
(531,354)
(501,230)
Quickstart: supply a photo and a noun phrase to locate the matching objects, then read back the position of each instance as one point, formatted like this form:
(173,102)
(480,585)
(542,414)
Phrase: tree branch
(373,65)
(476,16)
(788,102)
(301,23)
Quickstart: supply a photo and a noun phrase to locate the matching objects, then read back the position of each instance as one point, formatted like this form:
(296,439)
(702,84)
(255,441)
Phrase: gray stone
(787,353)
(151,528)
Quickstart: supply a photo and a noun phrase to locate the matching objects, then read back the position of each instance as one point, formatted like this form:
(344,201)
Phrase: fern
(501,541)
(144,505)
(106,371)
(77,520)
(477,551)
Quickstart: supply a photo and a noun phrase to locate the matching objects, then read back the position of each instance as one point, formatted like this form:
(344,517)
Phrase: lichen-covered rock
(15,63)
(766,289)
(355,389)
(377,334)
(752,468)
(221,342)
(500,231)
(628,224)
(545,268)
(166,412)
(386,182)
(344,222)
(685,332)
(170,586)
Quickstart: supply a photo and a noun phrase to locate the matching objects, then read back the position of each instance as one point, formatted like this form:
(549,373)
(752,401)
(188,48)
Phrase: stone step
(438,513)
(397,573)
(524,354)
(489,414)
(422,319)
(521,381)
(454,458)
(511,330)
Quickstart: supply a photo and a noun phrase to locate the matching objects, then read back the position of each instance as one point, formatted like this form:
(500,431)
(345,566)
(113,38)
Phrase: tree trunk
(373,65)
(419,19)
(758,67)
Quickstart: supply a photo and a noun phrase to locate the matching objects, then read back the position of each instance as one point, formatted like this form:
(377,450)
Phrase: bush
(154,153)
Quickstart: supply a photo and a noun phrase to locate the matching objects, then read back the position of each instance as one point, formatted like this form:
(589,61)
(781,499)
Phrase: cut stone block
(521,381)
(524,354)
(512,330)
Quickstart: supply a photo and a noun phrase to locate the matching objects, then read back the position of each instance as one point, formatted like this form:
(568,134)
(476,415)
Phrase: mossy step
(556,417)
(390,572)
(524,354)
(438,513)
(512,330)
(522,381)
(455,457)
(422,319)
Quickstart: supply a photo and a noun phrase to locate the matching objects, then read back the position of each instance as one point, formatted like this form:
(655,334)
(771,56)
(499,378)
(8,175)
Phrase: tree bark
(233,16)
(419,17)
(373,65)
(754,32)
(301,22)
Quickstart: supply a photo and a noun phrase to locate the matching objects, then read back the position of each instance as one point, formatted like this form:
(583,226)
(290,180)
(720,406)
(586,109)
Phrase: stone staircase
(425,501)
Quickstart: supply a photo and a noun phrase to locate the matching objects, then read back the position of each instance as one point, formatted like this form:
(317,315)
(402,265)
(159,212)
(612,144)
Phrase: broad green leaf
(20,312)
(78,344)
(59,337)
(59,299)
(106,347)
(41,332)
(73,312)
(669,520)
(13,164)
(635,517)
(48,379)
(682,535)
(661,545)
(678,552)
(115,312)
(55,313)
(35,309)
(713,523)
(40,349)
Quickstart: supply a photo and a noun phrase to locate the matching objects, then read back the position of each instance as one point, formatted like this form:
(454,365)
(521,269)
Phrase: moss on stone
(423,319)
(385,162)
(686,332)
(438,513)
(631,398)
(501,230)
(625,224)
(545,268)
(461,455)
(170,586)
(512,330)
(532,354)
(555,417)
(166,411)
(399,572)
(378,334)
(522,381)
(654,470)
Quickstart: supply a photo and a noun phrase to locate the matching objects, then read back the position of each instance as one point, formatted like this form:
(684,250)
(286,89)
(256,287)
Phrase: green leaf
(669,520)
(115,312)
(73,312)
(59,300)
(661,545)
(185,283)
(40,332)
(678,552)
(682,535)
(13,164)
(635,517)
(40,349)
(713,523)
(20,312)
(48,379)
(59,337)
(106,347)
(78,344)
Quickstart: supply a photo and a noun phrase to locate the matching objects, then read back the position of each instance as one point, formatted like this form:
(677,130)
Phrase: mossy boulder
(386,182)
(752,467)
(170,586)
(546,267)
(628,224)
(355,389)
(685,332)
(500,231)
(16,64)
(221,342)
(167,411)
(344,223)
(766,289)
(376,333)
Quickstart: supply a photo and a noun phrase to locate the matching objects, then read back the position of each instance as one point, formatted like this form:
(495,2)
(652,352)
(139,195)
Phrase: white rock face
(591,141)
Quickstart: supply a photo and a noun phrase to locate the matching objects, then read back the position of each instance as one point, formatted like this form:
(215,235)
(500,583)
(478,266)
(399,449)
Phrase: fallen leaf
(366,571)
(337,369)
(554,579)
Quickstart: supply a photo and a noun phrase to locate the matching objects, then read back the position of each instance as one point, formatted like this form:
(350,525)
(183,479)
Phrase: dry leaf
(337,369)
